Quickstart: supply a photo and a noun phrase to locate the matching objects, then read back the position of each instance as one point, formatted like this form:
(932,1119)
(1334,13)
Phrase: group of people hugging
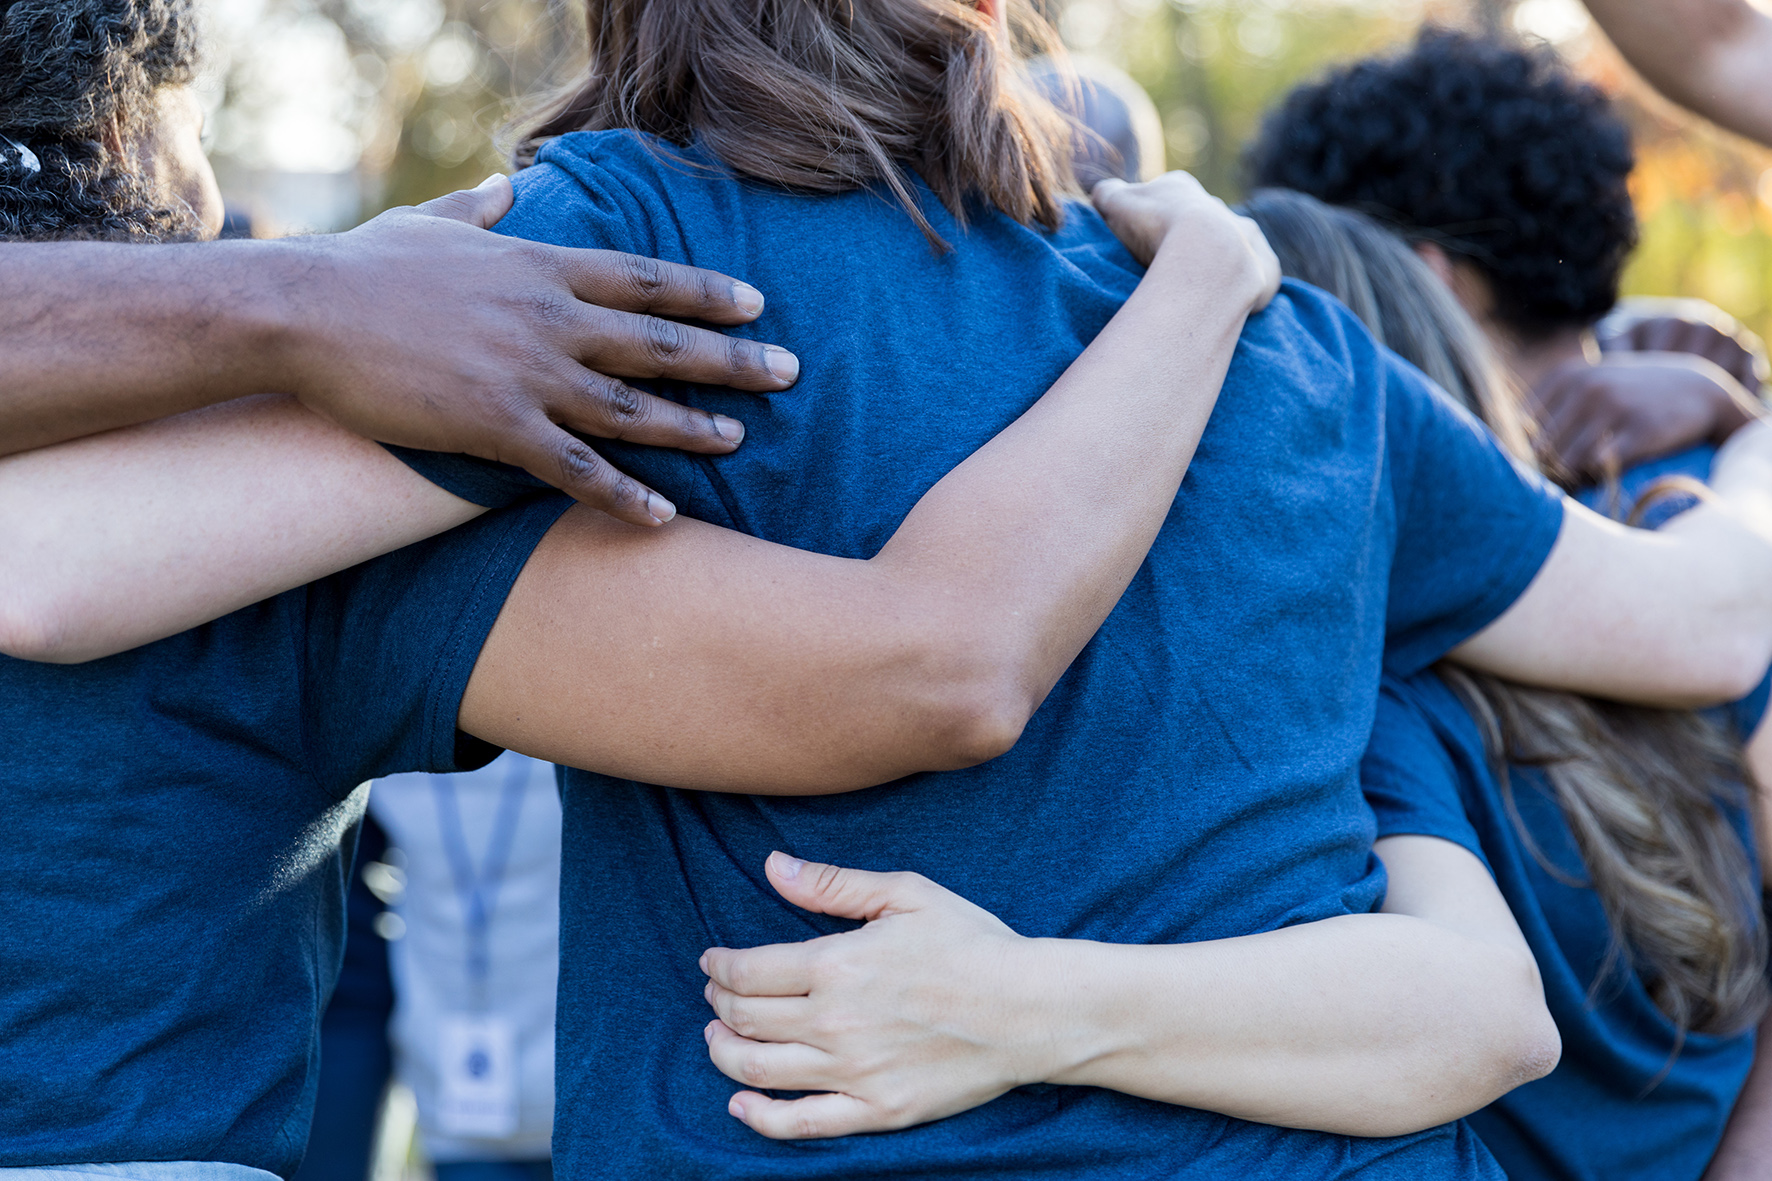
(1042,686)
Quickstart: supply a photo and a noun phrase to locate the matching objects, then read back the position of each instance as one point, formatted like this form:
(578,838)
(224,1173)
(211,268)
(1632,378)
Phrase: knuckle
(644,277)
(755,1071)
(666,340)
(807,1125)
(549,311)
(745,356)
(712,292)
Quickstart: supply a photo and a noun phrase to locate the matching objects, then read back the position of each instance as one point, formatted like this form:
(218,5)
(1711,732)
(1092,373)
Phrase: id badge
(478,1093)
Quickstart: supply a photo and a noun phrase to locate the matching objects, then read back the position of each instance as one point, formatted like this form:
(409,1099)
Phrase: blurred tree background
(326,111)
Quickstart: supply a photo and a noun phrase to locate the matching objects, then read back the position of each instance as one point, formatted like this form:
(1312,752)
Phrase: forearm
(1364,1025)
(95,335)
(112,541)
(1681,617)
(1708,55)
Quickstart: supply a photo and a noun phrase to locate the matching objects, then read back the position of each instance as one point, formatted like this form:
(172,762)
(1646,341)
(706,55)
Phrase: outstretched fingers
(775,1066)
(814,1117)
(635,283)
(548,452)
(630,344)
(609,408)
(761,1018)
(775,969)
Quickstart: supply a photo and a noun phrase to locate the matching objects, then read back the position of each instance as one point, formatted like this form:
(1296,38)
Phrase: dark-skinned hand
(514,345)
(1682,334)
(1596,419)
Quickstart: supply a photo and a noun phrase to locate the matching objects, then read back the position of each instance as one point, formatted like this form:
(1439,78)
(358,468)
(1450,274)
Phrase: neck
(1531,361)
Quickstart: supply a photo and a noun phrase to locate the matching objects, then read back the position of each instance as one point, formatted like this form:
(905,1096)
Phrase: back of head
(1495,152)
(827,96)
(78,80)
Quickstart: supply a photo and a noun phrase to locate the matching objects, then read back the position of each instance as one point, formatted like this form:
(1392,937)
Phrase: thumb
(845,893)
(481,205)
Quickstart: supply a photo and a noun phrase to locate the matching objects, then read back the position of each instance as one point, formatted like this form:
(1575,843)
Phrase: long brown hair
(828,96)
(1643,790)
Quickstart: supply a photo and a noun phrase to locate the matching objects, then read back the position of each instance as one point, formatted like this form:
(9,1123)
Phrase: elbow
(31,630)
(1729,669)
(970,705)
(978,723)
(1516,1040)
(1535,1045)
(1506,1039)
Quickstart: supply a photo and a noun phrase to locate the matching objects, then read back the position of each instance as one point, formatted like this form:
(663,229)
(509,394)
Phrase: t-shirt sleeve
(477,481)
(389,646)
(1745,716)
(1410,778)
(1473,527)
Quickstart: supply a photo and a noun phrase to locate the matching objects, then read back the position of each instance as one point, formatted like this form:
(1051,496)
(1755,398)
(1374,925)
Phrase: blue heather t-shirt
(1192,776)
(179,822)
(1619,1106)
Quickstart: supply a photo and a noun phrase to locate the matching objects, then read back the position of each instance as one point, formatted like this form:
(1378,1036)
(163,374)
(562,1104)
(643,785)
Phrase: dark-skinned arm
(690,654)
(418,328)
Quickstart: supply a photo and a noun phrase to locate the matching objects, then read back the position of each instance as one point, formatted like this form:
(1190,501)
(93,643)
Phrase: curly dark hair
(1493,151)
(74,73)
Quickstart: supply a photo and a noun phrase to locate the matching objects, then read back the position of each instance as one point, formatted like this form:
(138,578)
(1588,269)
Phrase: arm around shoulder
(1680,617)
(118,539)
(798,673)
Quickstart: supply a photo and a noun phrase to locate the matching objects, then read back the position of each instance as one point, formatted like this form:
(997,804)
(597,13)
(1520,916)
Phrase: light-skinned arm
(418,328)
(1709,55)
(1364,1025)
(1678,617)
(795,672)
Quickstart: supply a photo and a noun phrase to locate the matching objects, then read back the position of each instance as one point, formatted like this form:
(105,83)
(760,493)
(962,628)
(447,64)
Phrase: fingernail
(787,868)
(782,363)
(735,1108)
(730,429)
(748,298)
(661,509)
(491,180)
(702,963)
(707,1033)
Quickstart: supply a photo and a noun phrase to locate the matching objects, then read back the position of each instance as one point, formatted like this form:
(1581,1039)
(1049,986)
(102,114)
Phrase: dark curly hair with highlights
(76,75)
(1495,152)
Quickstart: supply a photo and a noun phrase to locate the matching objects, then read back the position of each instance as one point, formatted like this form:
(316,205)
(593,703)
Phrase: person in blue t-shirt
(1656,1021)
(181,806)
(1311,549)
(1307,536)
(1622,838)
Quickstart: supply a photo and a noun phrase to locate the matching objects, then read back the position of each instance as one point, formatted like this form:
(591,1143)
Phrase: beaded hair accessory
(27,159)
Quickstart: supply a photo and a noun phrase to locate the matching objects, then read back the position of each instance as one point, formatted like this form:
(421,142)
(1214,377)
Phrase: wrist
(1056,1035)
(284,317)
(1207,267)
